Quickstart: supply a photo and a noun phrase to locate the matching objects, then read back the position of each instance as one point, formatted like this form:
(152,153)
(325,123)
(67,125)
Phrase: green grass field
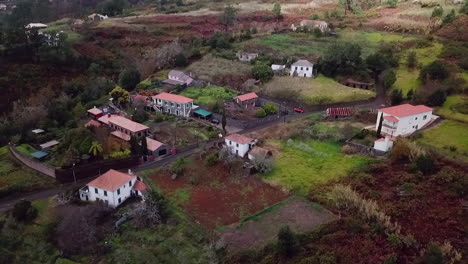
(449,138)
(298,170)
(208,95)
(408,79)
(448,110)
(314,91)
(14,178)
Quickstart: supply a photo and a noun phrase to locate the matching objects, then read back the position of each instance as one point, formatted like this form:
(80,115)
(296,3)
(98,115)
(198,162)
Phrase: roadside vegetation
(209,95)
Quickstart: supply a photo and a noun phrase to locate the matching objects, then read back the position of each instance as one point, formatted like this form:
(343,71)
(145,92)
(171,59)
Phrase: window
(424,117)
(237,145)
(230,142)
(118,191)
(172,104)
(296,68)
(96,190)
(120,200)
(301,68)
(130,184)
(178,105)
(416,118)
(307,68)
(105,193)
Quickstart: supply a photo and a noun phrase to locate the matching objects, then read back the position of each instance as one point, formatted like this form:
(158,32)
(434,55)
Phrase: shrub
(389,79)
(261,113)
(437,98)
(287,244)
(263,163)
(129,78)
(348,150)
(436,71)
(270,108)
(410,94)
(433,255)
(412,60)
(394,240)
(437,12)
(178,166)
(464,8)
(392,3)
(449,18)
(425,164)
(396,97)
(212,159)
(315,17)
(262,71)
(180,60)
(23,211)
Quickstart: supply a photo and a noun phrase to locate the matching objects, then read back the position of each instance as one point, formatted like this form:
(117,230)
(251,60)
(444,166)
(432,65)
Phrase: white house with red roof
(402,120)
(173,104)
(239,144)
(113,188)
(247,100)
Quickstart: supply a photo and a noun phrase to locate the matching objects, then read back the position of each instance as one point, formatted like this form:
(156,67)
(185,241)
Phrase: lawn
(313,91)
(26,149)
(14,178)
(450,107)
(208,95)
(183,132)
(449,138)
(210,68)
(408,79)
(301,165)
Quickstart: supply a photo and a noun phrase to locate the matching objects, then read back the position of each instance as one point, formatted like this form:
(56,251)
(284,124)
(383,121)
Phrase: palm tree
(95,148)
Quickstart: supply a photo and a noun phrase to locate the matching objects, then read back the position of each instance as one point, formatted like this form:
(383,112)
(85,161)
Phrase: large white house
(113,188)
(238,144)
(173,104)
(403,120)
(302,68)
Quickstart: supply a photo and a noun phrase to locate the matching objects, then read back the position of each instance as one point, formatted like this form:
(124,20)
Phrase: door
(162,152)
(305,75)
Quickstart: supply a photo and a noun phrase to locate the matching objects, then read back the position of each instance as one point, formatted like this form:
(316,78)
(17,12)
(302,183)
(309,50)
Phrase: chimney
(131,117)
(108,115)
(130,172)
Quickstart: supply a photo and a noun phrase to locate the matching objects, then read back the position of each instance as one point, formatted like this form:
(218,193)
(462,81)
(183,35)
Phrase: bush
(178,166)
(348,150)
(261,113)
(396,97)
(129,78)
(23,211)
(449,18)
(315,17)
(412,60)
(180,60)
(425,164)
(270,108)
(437,12)
(212,159)
(263,163)
(435,71)
(262,71)
(389,79)
(433,255)
(392,3)
(287,244)
(437,98)
(464,8)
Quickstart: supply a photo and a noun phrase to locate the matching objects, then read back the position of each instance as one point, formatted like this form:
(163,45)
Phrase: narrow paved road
(8,202)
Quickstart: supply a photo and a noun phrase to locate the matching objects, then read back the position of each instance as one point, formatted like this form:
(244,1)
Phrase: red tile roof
(139,186)
(245,97)
(105,119)
(121,135)
(340,111)
(95,111)
(239,139)
(126,123)
(391,118)
(111,180)
(405,110)
(173,98)
(93,123)
(153,144)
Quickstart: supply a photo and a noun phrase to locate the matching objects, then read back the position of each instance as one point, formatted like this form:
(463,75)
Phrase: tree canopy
(129,78)
(341,58)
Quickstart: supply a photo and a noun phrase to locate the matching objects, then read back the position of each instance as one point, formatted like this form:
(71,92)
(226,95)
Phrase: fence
(37,166)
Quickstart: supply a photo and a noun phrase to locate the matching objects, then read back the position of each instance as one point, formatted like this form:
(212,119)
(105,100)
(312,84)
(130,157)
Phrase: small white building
(302,68)
(384,144)
(3,7)
(278,69)
(246,56)
(113,188)
(178,78)
(403,120)
(238,144)
(36,26)
(95,16)
(311,25)
(173,104)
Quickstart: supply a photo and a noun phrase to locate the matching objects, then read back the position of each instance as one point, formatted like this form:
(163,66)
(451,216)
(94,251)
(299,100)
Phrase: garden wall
(37,166)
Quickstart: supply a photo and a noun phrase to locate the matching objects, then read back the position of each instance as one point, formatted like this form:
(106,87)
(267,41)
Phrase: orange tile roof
(173,98)
(93,123)
(153,144)
(121,135)
(139,186)
(111,180)
(127,123)
(258,150)
(405,110)
(247,96)
(239,139)
(105,119)
(95,111)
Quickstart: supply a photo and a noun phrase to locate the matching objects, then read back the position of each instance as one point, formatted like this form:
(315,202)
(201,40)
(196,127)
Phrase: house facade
(173,104)
(403,119)
(278,69)
(302,68)
(179,78)
(113,188)
(238,144)
(311,25)
(246,100)
(124,128)
(246,56)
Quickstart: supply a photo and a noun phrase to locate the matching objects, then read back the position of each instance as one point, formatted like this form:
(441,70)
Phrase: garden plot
(455,107)
(209,95)
(314,91)
(183,132)
(213,196)
(257,231)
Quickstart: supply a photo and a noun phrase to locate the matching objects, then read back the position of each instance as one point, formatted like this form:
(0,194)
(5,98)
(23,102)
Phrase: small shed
(202,113)
(38,131)
(39,154)
(95,113)
(355,84)
(156,148)
(49,144)
(247,100)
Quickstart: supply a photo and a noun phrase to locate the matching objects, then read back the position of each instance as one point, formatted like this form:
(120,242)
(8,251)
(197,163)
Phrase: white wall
(112,198)
(183,109)
(236,148)
(385,145)
(302,71)
(407,124)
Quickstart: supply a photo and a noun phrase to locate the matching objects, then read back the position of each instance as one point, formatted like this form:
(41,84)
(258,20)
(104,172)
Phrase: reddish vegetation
(456,30)
(220,199)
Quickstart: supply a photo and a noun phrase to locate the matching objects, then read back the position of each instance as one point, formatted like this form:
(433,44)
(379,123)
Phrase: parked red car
(298,110)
